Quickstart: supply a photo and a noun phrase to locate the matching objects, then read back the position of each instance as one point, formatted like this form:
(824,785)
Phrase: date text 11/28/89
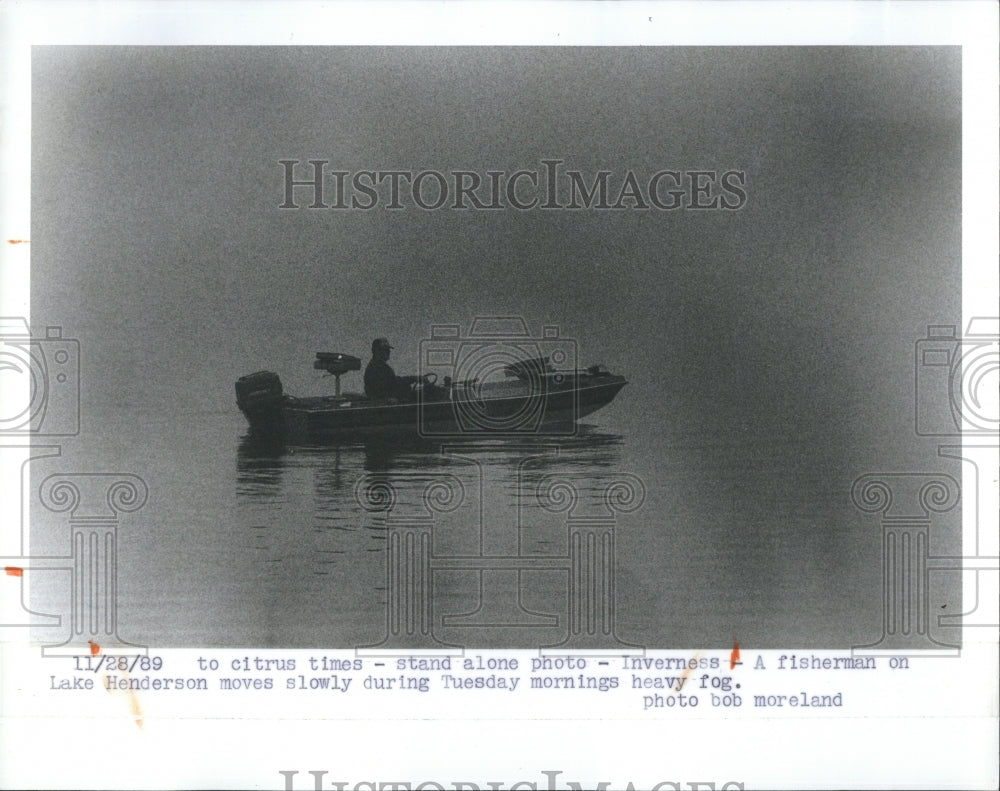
(109,663)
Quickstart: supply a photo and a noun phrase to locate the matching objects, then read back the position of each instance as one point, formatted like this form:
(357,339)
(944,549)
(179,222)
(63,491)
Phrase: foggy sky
(158,242)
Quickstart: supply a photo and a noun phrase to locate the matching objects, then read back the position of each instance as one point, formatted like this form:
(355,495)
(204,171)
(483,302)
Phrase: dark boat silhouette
(532,398)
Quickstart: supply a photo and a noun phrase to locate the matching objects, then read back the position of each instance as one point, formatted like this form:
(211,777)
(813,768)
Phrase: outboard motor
(259,396)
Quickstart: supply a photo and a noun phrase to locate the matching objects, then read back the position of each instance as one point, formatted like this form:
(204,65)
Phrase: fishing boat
(532,397)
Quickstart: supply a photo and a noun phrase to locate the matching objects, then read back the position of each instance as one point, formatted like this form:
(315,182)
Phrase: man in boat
(381,381)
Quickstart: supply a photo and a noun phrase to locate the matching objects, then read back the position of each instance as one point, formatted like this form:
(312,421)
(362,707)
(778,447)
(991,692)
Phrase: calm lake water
(721,531)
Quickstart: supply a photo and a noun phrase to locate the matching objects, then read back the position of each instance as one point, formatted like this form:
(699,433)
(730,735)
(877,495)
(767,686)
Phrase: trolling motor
(336,364)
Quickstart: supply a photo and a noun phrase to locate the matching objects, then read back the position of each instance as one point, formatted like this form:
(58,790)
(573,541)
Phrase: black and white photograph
(707,270)
(419,349)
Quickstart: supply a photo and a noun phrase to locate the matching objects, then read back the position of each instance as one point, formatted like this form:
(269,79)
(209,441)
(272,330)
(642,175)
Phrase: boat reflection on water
(261,461)
(314,512)
(504,465)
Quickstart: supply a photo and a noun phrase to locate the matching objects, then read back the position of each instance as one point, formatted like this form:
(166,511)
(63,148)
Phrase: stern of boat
(260,397)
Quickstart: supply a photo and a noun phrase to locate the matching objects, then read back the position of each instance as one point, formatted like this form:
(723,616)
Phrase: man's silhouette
(380,380)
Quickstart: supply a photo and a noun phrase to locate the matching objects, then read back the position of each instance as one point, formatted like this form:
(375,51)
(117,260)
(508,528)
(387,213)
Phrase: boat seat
(336,363)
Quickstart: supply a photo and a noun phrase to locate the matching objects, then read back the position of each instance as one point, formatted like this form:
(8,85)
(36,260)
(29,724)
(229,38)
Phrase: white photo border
(944,738)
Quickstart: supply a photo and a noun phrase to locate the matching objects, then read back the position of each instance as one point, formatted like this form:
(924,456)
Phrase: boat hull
(490,410)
